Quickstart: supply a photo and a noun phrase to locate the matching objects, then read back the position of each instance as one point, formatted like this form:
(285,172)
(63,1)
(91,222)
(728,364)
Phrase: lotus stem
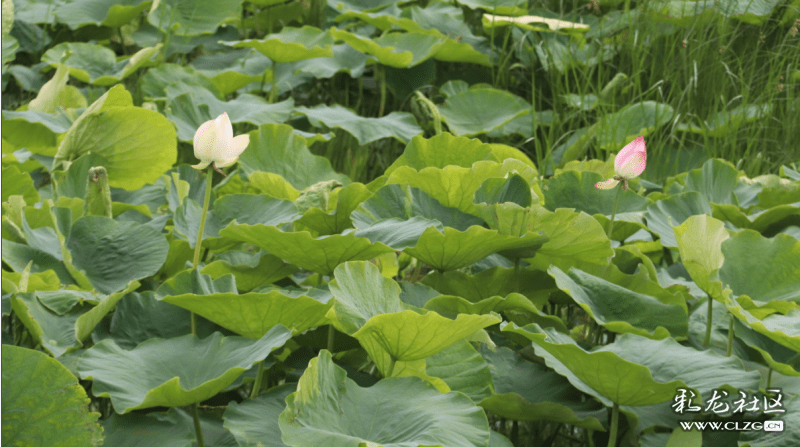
(273,94)
(769,378)
(709,319)
(197,429)
(257,385)
(331,335)
(516,275)
(199,242)
(730,337)
(391,366)
(381,75)
(612,436)
(614,210)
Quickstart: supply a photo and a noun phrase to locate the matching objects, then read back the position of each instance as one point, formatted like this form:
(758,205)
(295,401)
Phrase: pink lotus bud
(628,164)
(214,143)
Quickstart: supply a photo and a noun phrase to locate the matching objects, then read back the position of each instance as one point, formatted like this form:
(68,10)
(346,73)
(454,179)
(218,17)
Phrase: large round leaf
(275,148)
(330,409)
(399,50)
(616,129)
(253,314)
(666,214)
(113,253)
(479,111)
(96,64)
(43,404)
(605,375)
(189,18)
(174,372)
(643,308)
(398,125)
(138,145)
(530,391)
(774,261)
(455,249)
(320,255)
(254,422)
(292,44)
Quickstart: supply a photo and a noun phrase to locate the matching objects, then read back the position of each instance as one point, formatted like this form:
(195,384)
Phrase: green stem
(198,244)
(709,318)
(331,334)
(516,275)
(381,75)
(197,429)
(273,94)
(612,435)
(257,385)
(391,366)
(769,378)
(730,336)
(614,211)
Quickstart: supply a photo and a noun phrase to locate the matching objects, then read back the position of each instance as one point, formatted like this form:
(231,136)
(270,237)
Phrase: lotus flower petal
(214,143)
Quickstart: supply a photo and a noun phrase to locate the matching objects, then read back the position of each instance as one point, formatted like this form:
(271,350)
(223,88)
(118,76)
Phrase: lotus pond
(468,223)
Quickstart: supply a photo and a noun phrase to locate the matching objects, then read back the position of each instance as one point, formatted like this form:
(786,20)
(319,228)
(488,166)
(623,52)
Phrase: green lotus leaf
(157,79)
(535,285)
(110,13)
(791,418)
(330,409)
(43,403)
(113,253)
(133,429)
(250,209)
(453,249)
(445,150)
(19,183)
(362,293)
(664,215)
(398,50)
(54,319)
(301,249)
(573,238)
(251,270)
(776,191)
(644,309)
(479,111)
(778,357)
(618,128)
(530,391)
(515,306)
(56,94)
(767,221)
(275,148)
(454,186)
(254,422)
(345,59)
(116,134)
(141,316)
(574,189)
(192,281)
(604,375)
(398,125)
(368,307)
(96,64)
(462,369)
(407,336)
(292,44)
(513,189)
(230,71)
(777,320)
(774,261)
(699,240)
(253,314)
(175,372)
(728,121)
(190,106)
(716,181)
(501,7)
(188,18)
(335,218)
(405,202)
